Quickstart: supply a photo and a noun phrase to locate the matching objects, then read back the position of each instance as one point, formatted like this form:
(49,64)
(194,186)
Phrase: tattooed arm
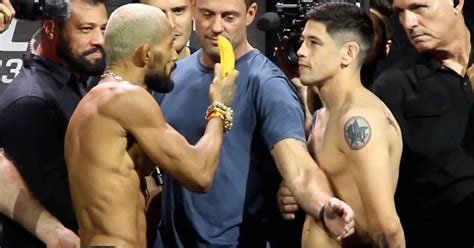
(373,146)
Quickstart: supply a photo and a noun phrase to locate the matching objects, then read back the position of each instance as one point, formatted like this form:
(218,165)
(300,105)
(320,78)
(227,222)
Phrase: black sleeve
(32,132)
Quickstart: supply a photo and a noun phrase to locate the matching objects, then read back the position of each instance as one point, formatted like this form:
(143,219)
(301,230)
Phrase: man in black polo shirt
(431,99)
(36,107)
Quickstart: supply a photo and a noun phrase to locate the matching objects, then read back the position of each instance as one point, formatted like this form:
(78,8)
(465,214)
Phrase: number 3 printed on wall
(10,69)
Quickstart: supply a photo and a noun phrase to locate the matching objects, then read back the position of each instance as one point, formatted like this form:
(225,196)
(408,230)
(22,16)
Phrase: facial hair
(160,81)
(79,63)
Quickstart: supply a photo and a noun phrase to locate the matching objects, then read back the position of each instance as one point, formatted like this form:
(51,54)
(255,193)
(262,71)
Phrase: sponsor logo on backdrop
(11,52)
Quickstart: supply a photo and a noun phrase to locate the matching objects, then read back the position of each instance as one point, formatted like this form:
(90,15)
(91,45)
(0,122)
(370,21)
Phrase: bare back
(358,146)
(104,182)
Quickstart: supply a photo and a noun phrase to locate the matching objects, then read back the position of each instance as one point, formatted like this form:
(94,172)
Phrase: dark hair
(249,2)
(345,18)
(385,8)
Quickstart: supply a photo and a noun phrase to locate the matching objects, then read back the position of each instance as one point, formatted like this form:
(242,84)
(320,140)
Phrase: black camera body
(41,9)
(287,21)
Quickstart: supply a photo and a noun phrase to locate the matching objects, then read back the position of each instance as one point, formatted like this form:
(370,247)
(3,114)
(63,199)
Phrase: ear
(251,13)
(349,52)
(458,7)
(49,29)
(388,46)
(142,55)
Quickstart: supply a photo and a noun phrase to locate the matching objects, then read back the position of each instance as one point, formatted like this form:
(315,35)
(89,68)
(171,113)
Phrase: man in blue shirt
(268,121)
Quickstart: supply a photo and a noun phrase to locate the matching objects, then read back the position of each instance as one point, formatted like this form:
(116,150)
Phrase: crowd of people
(383,159)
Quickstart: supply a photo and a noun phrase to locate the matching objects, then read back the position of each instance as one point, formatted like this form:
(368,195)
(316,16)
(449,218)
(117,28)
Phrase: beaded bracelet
(225,113)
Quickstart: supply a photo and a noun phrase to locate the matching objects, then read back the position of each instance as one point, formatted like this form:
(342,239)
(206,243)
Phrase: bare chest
(323,144)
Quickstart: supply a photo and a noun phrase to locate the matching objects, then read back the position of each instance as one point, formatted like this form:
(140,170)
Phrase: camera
(287,20)
(41,9)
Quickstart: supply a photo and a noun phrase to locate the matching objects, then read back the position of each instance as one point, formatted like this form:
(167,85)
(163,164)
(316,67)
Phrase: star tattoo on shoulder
(357,132)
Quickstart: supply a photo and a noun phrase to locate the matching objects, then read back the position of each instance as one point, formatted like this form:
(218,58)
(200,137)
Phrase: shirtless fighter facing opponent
(119,112)
(354,137)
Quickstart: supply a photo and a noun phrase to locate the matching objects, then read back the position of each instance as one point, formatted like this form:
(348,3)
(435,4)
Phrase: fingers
(286,203)
(217,70)
(288,207)
(233,75)
(288,211)
(342,209)
(6,14)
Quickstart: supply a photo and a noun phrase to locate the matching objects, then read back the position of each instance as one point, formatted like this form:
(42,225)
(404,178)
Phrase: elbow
(204,185)
(391,233)
(201,184)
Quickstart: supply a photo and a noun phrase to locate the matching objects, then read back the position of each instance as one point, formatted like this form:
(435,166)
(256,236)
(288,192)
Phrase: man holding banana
(268,121)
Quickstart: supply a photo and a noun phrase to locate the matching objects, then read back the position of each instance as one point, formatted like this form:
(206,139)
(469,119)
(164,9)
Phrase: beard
(79,63)
(159,82)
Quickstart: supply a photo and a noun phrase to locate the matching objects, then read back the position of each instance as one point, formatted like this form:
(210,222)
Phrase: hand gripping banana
(226,52)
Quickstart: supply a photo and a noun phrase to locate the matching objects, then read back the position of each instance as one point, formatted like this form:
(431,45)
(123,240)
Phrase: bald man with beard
(119,113)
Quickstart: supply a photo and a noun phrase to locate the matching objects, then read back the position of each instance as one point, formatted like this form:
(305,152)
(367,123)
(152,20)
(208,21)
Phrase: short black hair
(345,18)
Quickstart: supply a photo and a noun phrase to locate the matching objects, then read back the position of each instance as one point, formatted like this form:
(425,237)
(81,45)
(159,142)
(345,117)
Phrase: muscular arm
(310,187)
(194,166)
(303,177)
(17,203)
(365,142)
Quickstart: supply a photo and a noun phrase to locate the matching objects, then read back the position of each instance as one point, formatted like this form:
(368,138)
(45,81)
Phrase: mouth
(302,65)
(416,36)
(95,55)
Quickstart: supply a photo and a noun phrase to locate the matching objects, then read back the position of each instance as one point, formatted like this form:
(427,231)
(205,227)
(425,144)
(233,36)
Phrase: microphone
(42,9)
(268,21)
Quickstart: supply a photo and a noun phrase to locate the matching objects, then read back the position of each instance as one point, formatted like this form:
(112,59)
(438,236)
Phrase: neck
(239,51)
(123,72)
(456,54)
(333,91)
(46,49)
(185,52)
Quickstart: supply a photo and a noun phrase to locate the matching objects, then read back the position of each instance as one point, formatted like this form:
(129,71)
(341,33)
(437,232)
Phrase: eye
(85,29)
(419,9)
(229,18)
(179,11)
(206,14)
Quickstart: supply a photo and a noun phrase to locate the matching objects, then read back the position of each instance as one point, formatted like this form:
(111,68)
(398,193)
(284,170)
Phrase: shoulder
(119,93)
(121,100)
(260,66)
(358,126)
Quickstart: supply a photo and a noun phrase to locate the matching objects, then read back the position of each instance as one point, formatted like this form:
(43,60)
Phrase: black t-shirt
(34,113)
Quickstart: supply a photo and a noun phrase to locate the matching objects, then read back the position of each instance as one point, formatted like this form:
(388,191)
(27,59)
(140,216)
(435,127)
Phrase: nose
(98,37)
(408,19)
(301,51)
(171,19)
(217,26)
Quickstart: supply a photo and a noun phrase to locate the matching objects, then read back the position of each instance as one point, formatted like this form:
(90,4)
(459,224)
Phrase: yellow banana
(226,52)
